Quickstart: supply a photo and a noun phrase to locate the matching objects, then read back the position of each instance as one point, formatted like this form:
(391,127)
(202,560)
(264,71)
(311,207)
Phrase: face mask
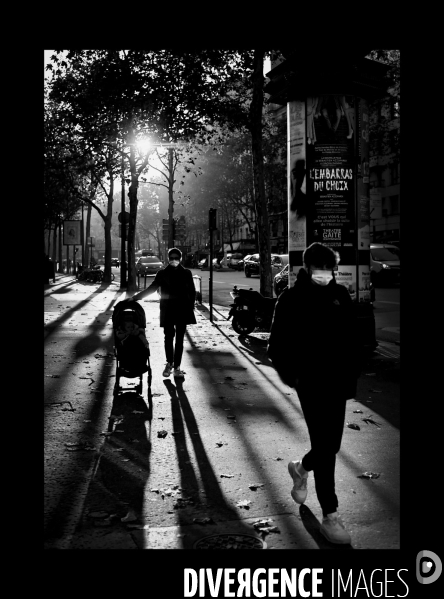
(321,277)
(174,263)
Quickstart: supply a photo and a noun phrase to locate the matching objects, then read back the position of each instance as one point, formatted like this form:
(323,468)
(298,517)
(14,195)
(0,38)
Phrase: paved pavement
(231,428)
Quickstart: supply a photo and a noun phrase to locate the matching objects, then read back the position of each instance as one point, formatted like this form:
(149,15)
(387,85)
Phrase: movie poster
(331,180)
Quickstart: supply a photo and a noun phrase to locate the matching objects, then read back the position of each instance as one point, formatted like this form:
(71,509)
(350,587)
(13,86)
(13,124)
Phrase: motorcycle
(250,310)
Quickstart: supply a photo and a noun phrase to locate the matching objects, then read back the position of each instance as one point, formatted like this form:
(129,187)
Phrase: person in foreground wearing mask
(313,347)
(177,296)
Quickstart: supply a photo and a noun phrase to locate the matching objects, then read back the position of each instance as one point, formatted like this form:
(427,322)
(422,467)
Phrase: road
(386,307)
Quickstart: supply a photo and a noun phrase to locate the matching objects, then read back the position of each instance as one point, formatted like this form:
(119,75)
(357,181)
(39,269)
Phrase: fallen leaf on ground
(261,523)
(255,486)
(369,420)
(245,503)
(130,517)
(353,426)
(227,475)
(267,529)
(358,412)
(162,434)
(232,417)
(278,459)
(370,475)
(99,515)
(203,520)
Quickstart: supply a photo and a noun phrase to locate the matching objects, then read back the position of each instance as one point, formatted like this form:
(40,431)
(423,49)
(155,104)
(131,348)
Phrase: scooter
(250,310)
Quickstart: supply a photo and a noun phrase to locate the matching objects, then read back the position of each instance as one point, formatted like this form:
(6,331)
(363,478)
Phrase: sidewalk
(231,426)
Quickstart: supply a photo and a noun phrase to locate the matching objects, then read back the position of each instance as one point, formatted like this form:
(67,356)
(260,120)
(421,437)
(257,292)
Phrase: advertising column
(331,180)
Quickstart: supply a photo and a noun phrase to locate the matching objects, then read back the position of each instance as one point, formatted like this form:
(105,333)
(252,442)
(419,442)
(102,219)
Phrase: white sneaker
(299,490)
(333,529)
(178,373)
(167,370)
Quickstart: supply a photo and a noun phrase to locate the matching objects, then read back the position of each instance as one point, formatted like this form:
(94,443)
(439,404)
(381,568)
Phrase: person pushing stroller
(177,297)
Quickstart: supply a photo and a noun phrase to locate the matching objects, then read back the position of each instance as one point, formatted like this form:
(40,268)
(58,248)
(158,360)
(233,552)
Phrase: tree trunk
(132,194)
(54,245)
(49,238)
(170,199)
(60,269)
(108,224)
(260,203)
(87,234)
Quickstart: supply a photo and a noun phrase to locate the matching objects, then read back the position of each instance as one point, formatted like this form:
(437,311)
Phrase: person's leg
(178,350)
(325,423)
(168,342)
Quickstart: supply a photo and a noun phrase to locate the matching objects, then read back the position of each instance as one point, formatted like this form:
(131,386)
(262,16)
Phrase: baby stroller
(133,358)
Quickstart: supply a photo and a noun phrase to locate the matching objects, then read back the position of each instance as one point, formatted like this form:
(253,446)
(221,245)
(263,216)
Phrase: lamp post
(123,281)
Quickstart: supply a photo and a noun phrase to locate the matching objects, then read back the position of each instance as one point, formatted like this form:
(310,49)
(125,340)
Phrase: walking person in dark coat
(177,295)
(313,347)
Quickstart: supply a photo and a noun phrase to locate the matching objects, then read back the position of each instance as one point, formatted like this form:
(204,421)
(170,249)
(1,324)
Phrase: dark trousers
(325,422)
(174,354)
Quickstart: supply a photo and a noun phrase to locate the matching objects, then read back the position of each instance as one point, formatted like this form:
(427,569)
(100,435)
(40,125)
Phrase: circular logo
(428,567)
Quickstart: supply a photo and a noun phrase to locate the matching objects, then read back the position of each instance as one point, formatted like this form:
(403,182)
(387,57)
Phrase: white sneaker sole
(299,496)
(343,541)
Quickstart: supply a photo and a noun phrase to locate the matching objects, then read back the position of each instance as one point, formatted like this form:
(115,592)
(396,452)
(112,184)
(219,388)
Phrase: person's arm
(149,290)
(279,350)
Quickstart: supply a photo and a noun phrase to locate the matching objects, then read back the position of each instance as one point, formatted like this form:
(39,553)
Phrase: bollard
(198,288)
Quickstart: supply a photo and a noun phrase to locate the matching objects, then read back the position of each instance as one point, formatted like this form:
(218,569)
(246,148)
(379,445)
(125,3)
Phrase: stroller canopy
(136,309)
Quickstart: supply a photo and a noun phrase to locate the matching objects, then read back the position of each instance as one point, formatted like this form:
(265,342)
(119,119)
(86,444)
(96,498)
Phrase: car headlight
(385,266)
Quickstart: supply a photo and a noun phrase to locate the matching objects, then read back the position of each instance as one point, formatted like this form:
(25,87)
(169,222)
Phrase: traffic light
(165,229)
(181,228)
(212,219)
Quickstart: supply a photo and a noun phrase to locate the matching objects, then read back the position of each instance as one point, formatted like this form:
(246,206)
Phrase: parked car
(234,260)
(148,265)
(252,265)
(115,262)
(280,281)
(385,264)
(278,261)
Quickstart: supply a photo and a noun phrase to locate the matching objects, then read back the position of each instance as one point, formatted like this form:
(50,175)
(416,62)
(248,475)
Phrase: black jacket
(313,338)
(177,295)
